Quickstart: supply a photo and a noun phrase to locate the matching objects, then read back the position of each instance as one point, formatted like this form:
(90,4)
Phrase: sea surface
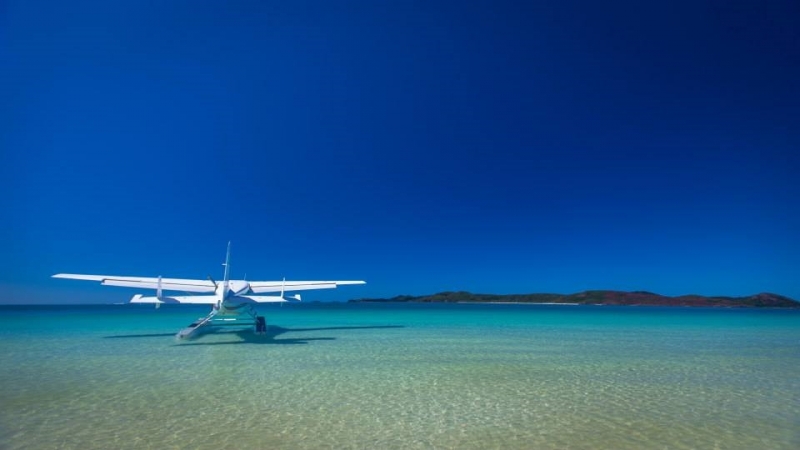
(365,376)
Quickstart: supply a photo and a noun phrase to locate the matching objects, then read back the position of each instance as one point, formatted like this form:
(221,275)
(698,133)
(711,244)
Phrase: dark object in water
(261,325)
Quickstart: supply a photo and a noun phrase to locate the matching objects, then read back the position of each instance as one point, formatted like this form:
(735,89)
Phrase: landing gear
(261,325)
(237,316)
(197,327)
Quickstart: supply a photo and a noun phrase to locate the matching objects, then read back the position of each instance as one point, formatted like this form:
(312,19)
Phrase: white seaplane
(232,300)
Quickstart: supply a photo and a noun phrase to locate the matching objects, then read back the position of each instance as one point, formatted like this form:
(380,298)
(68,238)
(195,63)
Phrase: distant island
(635,298)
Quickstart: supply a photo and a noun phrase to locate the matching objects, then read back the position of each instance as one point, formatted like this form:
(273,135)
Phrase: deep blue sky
(485,146)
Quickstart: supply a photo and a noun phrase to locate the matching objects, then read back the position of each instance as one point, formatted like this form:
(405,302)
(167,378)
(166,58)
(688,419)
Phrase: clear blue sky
(503,147)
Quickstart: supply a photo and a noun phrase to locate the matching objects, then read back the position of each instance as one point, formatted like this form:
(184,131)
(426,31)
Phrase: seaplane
(231,300)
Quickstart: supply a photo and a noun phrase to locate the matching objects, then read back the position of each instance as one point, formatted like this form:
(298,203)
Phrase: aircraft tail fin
(227,264)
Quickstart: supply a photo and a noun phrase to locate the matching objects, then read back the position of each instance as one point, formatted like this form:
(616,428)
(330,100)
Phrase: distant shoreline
(598,298)
(518,303)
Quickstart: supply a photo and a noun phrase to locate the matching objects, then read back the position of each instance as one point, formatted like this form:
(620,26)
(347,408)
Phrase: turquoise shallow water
(402,376)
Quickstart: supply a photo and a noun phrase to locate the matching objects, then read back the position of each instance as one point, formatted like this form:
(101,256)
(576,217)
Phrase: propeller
(212,281)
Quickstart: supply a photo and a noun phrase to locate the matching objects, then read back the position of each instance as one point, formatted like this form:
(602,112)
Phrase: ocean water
(402,376)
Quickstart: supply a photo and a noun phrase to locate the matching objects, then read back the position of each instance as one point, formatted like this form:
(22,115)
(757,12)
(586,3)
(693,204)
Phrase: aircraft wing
(167,284)
(259,287)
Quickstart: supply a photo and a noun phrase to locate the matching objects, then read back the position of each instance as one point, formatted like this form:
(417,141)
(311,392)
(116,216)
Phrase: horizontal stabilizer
(260,287)
(260,298)
(195,299)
